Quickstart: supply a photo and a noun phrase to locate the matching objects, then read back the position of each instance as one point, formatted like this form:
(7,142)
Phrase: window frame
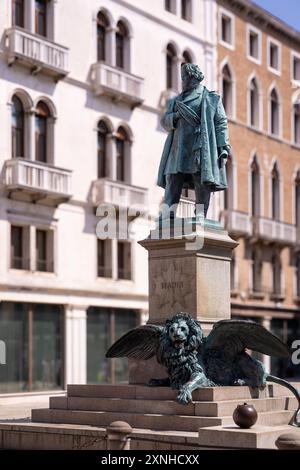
(272,41)
(294,55)
(231,16)
(252,29)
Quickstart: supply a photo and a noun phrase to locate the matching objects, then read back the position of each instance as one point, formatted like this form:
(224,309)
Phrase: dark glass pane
(41,250)
(168,5)
(104,258)
(47,347)
(18,13)
(124,260)
(14,333)
(102,149)
(17,128)
(125,320)
(41,17)
(41,138)
(98,341)
(16,249)
(120,160)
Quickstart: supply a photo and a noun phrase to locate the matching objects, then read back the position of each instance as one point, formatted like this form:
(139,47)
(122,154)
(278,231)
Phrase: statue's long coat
(214,135)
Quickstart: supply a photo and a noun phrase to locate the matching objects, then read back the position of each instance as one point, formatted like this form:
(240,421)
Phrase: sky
(286,10)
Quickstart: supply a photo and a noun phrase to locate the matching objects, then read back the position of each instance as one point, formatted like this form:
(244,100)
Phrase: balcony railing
(237,223)
(186,208)
(37,179)
(119,194)
(273,230)
(37,52)
(117,84)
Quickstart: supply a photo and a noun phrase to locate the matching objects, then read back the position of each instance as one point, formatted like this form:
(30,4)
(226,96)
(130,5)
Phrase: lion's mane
(181,363)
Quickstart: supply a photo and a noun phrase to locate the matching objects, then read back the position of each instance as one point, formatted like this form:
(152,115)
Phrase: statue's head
(183,331)
(191,76)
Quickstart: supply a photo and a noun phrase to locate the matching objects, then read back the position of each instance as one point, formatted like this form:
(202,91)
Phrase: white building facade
(82,88)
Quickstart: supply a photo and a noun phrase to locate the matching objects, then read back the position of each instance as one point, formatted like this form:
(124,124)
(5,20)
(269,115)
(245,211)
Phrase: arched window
(227,90)
(275,182)
(42,115)
(297,199)
(274,112)
(187,58)
(171,67)
(296,119)
(103,132)
(254,104)
(102,25)
(17,128)
(122,146)
(255,188)
(121,40)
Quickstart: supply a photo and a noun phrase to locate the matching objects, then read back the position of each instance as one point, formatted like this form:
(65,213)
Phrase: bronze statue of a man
(197,146)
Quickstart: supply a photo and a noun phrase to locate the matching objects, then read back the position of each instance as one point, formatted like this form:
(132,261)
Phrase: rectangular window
(19,247)
(168,5)
(104,327)
(34,339)
(104,257)
(18,13)
(41,17)
(124,260)
(226,29)
(296,67)
(274,59)
(44,251)
(186,10)
(254,43)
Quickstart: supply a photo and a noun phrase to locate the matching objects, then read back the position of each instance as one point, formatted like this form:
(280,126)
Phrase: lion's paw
(184,396)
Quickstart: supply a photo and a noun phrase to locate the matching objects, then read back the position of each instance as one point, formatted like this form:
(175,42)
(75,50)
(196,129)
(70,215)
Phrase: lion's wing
(140,343)
(242,334)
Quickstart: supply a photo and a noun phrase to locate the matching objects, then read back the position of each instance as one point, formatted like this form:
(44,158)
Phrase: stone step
(169,407)
(151,420)
(165,393)
(41,436)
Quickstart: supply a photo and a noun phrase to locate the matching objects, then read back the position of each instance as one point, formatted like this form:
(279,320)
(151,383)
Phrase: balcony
(274,231)
(119,194)
(237,223)
(35,181)
(117,84)
(36,52)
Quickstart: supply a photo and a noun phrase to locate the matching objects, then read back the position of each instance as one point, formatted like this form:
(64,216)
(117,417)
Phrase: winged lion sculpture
(194,361)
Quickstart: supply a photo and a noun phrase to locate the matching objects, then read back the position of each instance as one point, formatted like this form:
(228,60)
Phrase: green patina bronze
(194,361)
(197,145)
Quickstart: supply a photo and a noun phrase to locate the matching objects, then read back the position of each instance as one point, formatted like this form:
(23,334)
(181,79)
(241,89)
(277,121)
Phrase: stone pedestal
(190,274)
(186,274)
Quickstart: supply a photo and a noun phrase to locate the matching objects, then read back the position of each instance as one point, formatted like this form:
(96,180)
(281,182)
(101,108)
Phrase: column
(76,344)
(179,61)
(51,20)
(111,47)
(31,135)
(30,15)
(178,8)
(266,360)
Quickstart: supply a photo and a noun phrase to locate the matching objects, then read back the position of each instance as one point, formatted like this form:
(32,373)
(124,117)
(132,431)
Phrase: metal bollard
(118,436)
(290,440)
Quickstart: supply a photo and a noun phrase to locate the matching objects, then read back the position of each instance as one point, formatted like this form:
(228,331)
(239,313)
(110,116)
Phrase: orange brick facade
(246,142)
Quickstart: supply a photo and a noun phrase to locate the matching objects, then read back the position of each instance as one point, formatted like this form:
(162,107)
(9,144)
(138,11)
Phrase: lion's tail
(295,419)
